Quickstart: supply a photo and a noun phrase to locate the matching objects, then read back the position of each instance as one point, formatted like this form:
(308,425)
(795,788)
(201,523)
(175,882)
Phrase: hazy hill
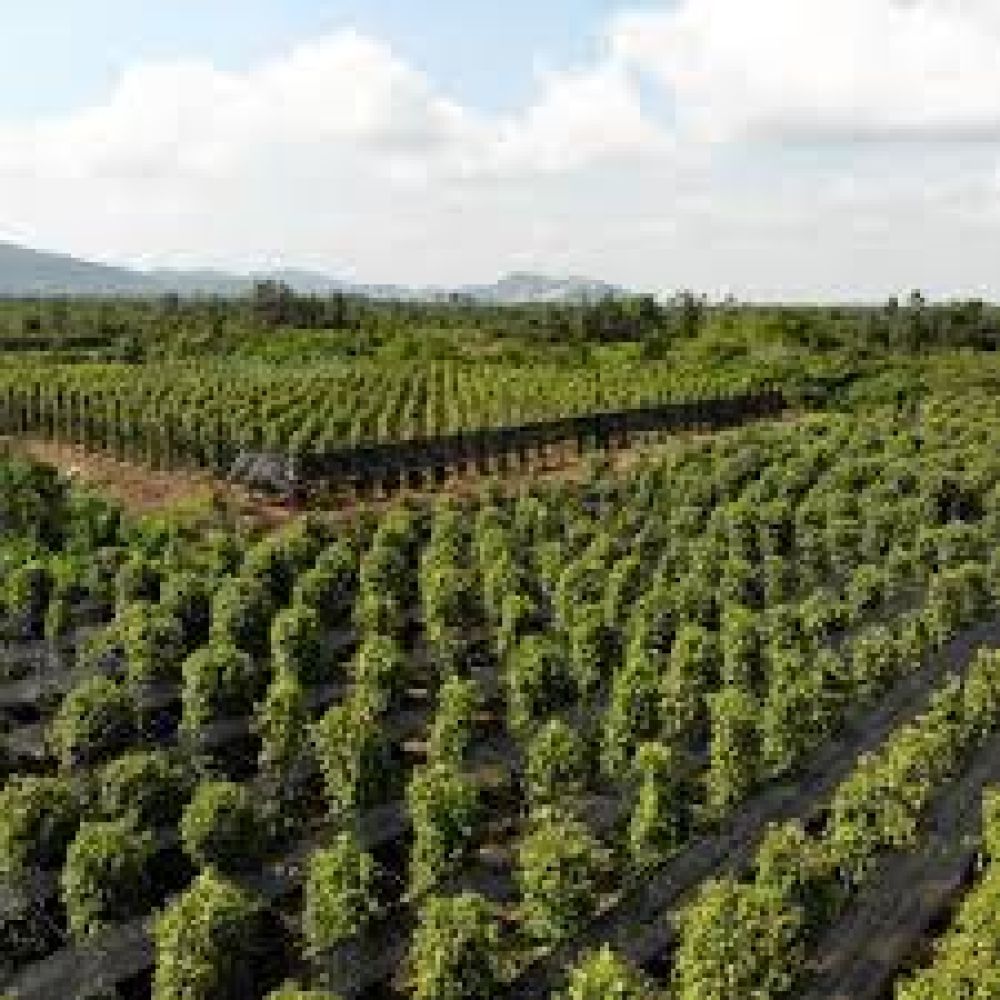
(30,273)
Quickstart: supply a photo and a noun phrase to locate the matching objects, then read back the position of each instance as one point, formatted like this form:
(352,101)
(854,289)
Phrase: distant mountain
(524,287)
(30,272)
(33,273)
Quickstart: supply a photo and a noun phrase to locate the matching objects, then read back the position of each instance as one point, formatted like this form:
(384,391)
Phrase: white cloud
(841,69)
(341,155)
(343,91)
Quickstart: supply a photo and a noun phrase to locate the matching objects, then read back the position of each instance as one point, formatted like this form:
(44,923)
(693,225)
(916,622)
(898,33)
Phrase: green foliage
(738,940)
(556,765)
(205,943)
(105,878)
(242,608)
(282,723)
(538,682)
(602,975)
(221,827)
(559,863)
(151,785)
(329,586)
(444,809)
(38,819)
(297,644)
(453,955)
(292,992)
(633,713)
(153,640)
(459,701)
(734,750)
(661,818)
(220,681)
(185,597)
(26,593)
(339,894)
(351,751)
(95,720)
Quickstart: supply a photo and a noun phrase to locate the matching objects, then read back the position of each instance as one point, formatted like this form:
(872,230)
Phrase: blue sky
(55,53)
(765,148)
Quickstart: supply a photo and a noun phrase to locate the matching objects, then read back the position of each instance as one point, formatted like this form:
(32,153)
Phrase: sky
(770,149)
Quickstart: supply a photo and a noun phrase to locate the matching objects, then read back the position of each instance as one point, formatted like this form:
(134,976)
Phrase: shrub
(329,586)
(282,723)
(297,644)
(38,819)
(453,955)
(452,730)
(150,784)
(26,597)
(186,598)
(556,765)
(220,681)
(220,827)
(241,614)
(137,580)
(95,720)
(352,755)
(661,818)
(153,643)
(538,682)
(205,942)
(444,807)
(339,894)
(558,863)
(105,877)
(602,975)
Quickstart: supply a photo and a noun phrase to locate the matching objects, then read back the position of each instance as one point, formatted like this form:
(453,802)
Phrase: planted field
(205,414)
(454,750)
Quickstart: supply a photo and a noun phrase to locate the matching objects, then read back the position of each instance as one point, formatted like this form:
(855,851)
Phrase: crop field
(716,726)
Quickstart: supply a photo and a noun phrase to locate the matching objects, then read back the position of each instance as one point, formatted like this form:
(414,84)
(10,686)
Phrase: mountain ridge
(28,273)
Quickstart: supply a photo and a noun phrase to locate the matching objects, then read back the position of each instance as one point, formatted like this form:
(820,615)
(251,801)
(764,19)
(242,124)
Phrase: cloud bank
(772,148)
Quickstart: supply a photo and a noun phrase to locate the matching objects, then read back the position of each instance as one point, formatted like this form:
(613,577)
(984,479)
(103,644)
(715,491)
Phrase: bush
(241,614)
(661,818)
(38,819)
(453,955)
(558,863)
(95,720)
(604,976)
(292,992)
(329,586)
(186,598)
(380,674)
(538,682)
(153,643)
(105,879)
(352,755)
(220,827)
(444,808)
(282,723)
(556,767)
(220,681)
(26,598)
(152,785)
(339,894)
(137,580)
(205,943)
(737,940)
(297,644)
(459,700)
